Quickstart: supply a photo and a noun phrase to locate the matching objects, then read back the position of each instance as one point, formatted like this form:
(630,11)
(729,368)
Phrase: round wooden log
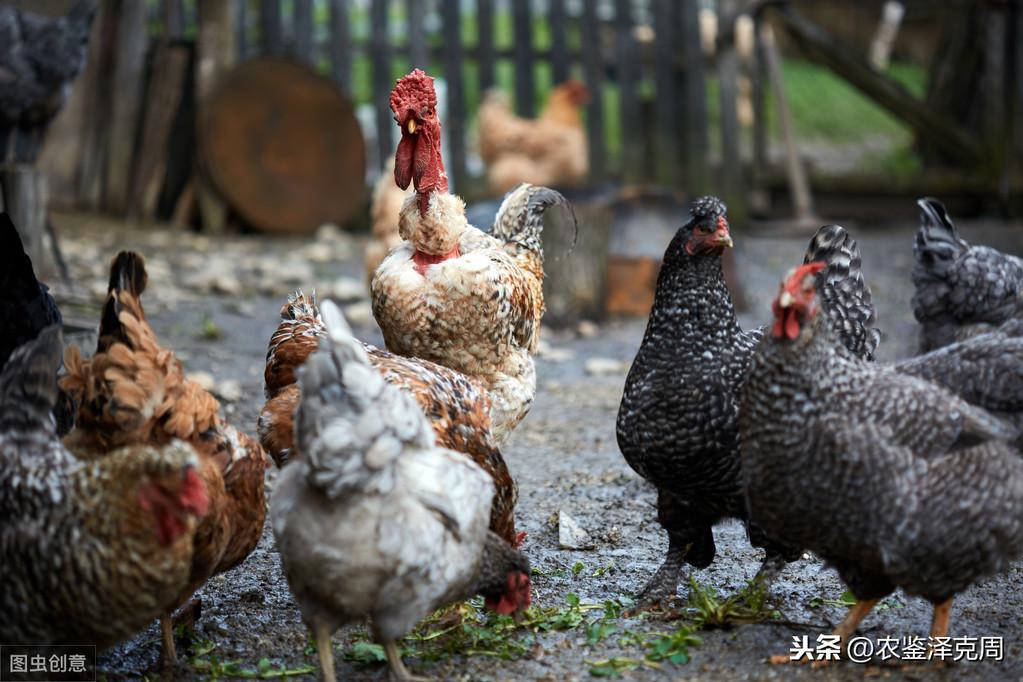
(283,146)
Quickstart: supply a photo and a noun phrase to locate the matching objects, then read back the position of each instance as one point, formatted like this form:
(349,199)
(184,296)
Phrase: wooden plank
(302,25)
(760,123)
(455,124)
(559,41)
(383,80)
(486,48)
(593,68)
(522,30)
(271,28)
(95,124)
(667,112)
(628,76)
(694,95)
(887,92)
(241,29)
(24,197)
(732,189)
(129,75)
(340,45)
(165,92)
(214,57)
(417,35)
(173,19)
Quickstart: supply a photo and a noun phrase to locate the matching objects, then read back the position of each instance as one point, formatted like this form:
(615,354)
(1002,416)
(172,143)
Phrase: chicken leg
(845,629)
(939,622)
(399,673)
(325,650)
(168,652)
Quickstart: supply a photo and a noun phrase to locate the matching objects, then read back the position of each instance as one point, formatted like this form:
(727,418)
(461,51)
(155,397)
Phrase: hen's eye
(702,229)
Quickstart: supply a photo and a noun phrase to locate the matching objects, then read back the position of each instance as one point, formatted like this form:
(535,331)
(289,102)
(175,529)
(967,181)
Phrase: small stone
(570,534)
(318,252)
(553,354)
(204,379)
(226,284)
(229,390)
(599,366)
(587,329)
(345,289)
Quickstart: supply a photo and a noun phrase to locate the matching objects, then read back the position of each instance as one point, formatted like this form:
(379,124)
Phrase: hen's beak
(786,300)
(412,126)
(722,240)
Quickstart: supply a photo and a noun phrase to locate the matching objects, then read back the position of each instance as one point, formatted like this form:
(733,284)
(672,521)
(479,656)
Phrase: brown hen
(134,392)
(457,407)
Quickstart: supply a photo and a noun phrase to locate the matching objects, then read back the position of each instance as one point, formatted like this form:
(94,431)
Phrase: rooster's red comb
(416,88)
(794,281)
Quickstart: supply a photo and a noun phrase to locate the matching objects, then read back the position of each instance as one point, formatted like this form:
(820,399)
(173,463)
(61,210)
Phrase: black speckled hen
(893,480)
(677,424)
(960,290)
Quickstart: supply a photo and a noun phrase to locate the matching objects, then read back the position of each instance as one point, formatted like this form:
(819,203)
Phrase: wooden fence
(647,120)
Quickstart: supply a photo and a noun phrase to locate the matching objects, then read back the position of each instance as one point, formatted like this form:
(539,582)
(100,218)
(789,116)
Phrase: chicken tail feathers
(28,384)
(128,280)
(520,217)
(351,426)
(843,290)
(937,241)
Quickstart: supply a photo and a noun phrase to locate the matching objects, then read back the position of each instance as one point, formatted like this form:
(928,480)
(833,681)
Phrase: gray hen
(373,519)
(39,59)
(960,290)
(894,481)
(677,424)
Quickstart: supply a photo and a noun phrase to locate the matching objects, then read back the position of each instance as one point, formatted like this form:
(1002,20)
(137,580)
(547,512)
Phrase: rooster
(458,407)
(94,552)
(677,421)
(960,290)
(39,59)
(133,392)
(26,308)
(451,294)
(894,481)
(375,520)
(548,150)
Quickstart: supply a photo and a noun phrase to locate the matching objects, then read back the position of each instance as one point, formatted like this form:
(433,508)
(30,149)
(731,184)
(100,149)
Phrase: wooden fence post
(304,47)
(525,84)
(628,72)
(215,48)
(453,75)
(383,81)
(593,67)
(559,41)
(694,95)
(733,189)
(485,16)
(668,114)
(126,98)
(340,45)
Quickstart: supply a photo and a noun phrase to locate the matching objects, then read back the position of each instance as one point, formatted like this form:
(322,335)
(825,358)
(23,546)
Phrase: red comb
(417,87)
(795,280)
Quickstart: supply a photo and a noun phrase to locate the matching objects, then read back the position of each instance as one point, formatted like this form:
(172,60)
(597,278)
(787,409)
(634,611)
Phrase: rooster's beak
(723,240)
(412,126)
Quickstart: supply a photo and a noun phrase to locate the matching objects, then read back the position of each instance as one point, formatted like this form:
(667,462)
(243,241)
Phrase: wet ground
(216,302)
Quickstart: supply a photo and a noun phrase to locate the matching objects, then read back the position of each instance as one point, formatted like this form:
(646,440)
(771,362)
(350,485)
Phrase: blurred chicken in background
(548,150)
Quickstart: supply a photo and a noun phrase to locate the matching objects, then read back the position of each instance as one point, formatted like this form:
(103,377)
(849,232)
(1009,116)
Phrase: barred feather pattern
(959,290)
(106,574)
(458,408)
(894,481)
(677,423)
(843,290)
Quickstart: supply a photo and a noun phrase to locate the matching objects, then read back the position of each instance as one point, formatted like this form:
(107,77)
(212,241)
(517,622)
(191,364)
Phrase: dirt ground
(216,301)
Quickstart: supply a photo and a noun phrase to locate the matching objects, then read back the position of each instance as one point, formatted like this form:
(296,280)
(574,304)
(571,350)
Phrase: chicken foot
(324,650)
(845,630)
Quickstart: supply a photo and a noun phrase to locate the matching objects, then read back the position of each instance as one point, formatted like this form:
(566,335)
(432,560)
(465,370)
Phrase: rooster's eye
(702,229)
(428,113)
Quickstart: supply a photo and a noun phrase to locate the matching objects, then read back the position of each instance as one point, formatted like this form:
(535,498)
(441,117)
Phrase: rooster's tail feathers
(843,290)
(520,218)
(937,239)
(28,385)
(352,426)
